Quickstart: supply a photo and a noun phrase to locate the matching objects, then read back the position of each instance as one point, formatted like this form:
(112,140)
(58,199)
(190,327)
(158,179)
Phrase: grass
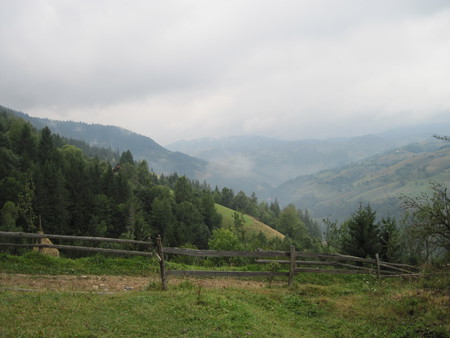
(187,310)
(252,226)
(316,306)
(34,263)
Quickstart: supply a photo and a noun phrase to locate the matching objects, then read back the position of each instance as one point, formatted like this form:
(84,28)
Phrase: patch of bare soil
(113,284)
(86,283)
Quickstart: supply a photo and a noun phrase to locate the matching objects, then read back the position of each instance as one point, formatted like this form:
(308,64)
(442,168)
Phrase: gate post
(162,269)
(292,266)
(377,260)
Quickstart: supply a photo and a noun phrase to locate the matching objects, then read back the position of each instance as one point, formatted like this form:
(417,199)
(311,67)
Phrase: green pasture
(316,306)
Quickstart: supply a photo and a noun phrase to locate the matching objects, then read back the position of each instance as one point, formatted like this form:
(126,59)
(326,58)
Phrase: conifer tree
(362,233)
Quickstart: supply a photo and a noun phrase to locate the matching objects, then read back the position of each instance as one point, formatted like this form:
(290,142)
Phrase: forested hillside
(379,180)
(158,158)
(49,184)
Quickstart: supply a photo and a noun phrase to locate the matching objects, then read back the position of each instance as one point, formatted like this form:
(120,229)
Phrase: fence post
(377,259)
(292,266)
(162,269)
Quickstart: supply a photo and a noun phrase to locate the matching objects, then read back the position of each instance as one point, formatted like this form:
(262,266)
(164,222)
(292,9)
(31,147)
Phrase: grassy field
(252,226)
(316,306)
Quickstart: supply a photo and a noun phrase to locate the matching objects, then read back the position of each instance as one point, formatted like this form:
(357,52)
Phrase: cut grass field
(251,226)
(316,306)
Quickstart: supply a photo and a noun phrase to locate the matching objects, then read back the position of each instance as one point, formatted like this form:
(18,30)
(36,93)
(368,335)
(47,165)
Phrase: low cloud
(186,69)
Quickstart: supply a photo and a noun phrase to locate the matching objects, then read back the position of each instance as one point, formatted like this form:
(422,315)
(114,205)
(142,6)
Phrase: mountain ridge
(317,172)
(277,161)
(379,180)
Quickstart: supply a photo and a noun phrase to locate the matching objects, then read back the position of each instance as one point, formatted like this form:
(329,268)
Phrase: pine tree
(362,233)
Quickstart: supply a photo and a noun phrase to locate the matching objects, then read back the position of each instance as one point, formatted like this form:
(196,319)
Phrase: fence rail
(74,238)
(223,253)
(75,247)
(298,262)
(326,263)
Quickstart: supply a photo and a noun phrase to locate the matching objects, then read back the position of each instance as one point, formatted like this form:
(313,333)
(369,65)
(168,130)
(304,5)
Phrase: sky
(185,69)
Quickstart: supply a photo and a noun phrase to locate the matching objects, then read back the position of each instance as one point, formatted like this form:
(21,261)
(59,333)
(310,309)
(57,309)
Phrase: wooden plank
(220,253)
(332,271)
(280,261)
(338,257)
(80,248)
(226,273)
(402,275)
(394,268)
(319,263)
(79,238)
(401,265)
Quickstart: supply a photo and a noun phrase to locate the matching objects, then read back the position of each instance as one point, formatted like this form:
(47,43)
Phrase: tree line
(421,235)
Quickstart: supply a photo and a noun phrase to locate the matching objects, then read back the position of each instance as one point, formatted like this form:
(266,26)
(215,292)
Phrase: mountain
(328,177)
(276,161)
(379,180)
(160,159)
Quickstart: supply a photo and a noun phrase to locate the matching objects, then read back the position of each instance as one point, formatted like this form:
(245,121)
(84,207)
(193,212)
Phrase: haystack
(46,251)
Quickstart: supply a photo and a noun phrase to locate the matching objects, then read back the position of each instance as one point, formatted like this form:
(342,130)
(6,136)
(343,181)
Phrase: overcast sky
(184,69)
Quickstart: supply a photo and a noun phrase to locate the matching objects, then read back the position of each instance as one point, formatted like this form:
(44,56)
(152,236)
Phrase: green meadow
(315,306)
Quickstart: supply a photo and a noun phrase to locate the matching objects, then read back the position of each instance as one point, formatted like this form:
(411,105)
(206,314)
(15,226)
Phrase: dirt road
(106,284)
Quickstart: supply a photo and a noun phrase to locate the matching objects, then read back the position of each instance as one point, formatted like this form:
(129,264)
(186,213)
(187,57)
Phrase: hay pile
(46,251)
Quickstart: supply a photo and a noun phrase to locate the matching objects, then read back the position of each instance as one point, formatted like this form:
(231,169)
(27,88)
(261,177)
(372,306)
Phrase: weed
(273,267)
(186,285)
(199,296)
(153,286)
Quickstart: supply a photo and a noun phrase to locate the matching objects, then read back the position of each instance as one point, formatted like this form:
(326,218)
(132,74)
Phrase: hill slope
(252,226)
(380,180)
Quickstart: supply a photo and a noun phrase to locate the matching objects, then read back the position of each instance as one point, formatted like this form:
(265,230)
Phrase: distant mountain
(160,159)
(379,180)
(276,161)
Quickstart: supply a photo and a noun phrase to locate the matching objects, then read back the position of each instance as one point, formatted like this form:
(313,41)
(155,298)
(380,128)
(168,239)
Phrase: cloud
(186,69)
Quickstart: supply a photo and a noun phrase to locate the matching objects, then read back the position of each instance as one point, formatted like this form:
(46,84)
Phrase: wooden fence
(74,247)
(297,262)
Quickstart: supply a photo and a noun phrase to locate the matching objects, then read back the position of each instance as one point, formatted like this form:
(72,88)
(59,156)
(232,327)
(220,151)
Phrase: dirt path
(105,283)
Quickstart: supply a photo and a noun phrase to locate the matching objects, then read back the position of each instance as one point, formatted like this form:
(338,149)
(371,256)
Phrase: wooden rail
(222,253)
(325,263)
(74,247)
(73,238)
(81,248)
